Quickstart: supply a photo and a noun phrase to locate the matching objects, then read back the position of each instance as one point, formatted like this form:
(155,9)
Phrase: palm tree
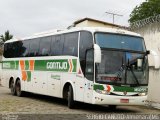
(5,37)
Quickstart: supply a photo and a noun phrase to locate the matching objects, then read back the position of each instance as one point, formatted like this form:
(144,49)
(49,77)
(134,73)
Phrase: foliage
(146,9)
(6,36)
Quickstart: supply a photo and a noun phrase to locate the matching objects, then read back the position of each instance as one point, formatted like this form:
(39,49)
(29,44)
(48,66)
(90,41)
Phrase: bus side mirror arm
(148,52)
(97,53)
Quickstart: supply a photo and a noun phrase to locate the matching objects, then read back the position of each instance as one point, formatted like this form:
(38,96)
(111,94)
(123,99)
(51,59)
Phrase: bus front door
(89,76)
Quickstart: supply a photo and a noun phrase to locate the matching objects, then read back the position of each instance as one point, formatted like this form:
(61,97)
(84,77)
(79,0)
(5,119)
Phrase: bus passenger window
(24,51)
(18,46)
(45,44)
(57,45)
(71,44)
(34,47)
(8,50)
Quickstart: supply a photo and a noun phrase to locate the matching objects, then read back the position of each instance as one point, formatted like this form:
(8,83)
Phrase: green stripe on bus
(17,65)
(28,76)
(99,87)
(74,61)
(123,89)
(43,65)
(10,65)
(26,65)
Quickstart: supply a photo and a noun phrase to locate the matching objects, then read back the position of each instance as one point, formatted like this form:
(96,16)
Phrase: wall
(151,34)
(0,72)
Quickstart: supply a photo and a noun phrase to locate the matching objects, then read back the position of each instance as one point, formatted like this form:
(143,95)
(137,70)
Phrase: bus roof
(74,29)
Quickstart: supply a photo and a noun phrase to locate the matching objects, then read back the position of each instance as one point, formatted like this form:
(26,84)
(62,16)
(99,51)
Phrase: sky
(26,17)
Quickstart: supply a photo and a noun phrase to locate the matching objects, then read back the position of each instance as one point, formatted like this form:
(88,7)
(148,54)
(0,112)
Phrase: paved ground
(38,104)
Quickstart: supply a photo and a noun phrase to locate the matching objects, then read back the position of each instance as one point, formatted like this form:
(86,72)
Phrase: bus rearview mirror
(97,53)
(139,63)
(156,59)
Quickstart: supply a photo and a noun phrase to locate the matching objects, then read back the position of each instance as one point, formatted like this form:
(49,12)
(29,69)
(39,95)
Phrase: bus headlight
(102,92)
(142,94)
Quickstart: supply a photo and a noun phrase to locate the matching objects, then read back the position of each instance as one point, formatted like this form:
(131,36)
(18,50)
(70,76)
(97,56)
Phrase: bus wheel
(12,88)
(112,107)
(18,89)
(70,98)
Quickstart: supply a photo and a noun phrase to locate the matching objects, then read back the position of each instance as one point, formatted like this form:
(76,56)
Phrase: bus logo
(57,65)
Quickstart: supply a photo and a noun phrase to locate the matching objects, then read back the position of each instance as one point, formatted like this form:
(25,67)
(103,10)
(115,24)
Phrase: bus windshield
(125,64)
(117,41)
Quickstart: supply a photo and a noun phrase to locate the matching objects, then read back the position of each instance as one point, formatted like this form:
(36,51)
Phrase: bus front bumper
(103,99)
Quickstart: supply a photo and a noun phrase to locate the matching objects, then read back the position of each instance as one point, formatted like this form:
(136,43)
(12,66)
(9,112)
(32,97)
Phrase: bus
(103,66)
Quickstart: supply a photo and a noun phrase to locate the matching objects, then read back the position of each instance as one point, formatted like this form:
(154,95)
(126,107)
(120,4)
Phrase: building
(89,22)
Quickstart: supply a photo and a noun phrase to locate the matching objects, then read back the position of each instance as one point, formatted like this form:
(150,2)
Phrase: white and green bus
(92,65)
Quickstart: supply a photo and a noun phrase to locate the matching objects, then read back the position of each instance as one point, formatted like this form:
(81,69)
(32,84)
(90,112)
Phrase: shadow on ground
(79,105)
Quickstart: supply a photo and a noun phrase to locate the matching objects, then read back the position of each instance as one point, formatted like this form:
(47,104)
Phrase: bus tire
(12,88)
(70,98)
(112,107)
(19,93)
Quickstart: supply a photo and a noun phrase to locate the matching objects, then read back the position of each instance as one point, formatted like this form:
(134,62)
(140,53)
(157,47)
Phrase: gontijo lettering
(57,65)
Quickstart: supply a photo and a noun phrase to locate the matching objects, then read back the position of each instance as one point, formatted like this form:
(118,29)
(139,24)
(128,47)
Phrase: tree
(146,9)
(5,37)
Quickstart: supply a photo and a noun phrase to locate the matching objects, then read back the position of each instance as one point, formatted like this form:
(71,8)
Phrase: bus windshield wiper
(129,66)
(120,71)
(126,67)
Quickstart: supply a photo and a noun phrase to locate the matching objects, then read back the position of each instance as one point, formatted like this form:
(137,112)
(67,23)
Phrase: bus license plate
(124,100)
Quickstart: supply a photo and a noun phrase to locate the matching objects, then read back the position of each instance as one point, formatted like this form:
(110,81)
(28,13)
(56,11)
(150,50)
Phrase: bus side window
(8,51)
(45,44)
(71,44)
(11,50)
(17,49)
(24,52)
(89,71)
(5,53)
(57,45)
(86,42)
(34,47)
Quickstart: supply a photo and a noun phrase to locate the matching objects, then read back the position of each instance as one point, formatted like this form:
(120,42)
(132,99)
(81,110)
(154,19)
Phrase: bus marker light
(124,100)
(142,94)
(108,88)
